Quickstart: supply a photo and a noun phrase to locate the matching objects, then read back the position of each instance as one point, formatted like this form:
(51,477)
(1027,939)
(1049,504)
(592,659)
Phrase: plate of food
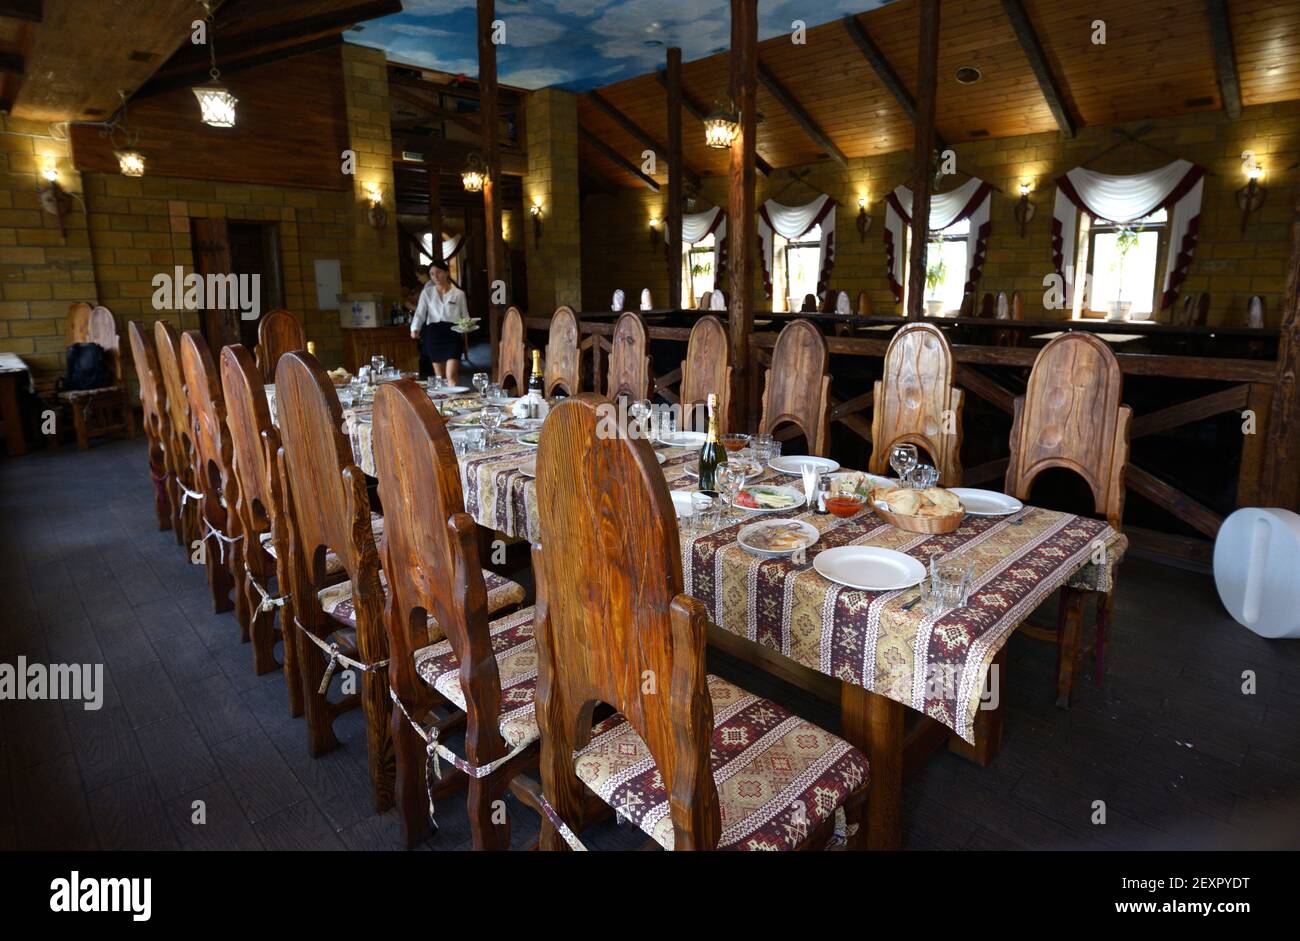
(933,510)
(769,498)
(452,390)
(529,467)
(340,376)
(462,403)
(772,539)
(793,464)
(530,438)
(986,502)
(466,420)
(683,439)
(752,470)
(869,568)
(520,425)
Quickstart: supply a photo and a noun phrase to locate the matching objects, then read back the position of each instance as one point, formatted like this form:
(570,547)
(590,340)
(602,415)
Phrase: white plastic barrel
(1257,570)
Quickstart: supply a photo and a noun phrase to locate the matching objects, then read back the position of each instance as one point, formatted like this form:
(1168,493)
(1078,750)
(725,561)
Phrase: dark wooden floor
(1180,756)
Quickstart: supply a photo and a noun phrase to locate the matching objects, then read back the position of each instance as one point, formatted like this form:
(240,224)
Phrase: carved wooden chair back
(809,305)
(987,305)
(563,357)
(915,402)
(279,332)
(613,615)
(629,366)
(707,369)
(798,387)
(181,457)
(157,422)
(97,325)
(865,307)
(512,367)
(248,416)
(1072,416)
(1256,313)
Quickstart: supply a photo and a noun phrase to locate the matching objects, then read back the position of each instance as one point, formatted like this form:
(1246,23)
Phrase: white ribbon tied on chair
(1128,198)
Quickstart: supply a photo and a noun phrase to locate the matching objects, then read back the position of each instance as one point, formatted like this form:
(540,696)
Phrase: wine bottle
(535,381)
(712,454)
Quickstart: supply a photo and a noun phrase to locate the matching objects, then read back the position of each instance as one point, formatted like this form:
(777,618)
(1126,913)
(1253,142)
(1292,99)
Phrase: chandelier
(721,128)
(472,176)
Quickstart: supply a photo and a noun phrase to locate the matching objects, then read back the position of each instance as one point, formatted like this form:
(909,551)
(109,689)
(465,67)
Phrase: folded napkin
(525,406)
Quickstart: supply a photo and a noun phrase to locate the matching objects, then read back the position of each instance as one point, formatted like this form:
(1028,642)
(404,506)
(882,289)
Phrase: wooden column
(487,83)
(740,205)
(435,208)
(675,170)
(927,68)
(1280,484)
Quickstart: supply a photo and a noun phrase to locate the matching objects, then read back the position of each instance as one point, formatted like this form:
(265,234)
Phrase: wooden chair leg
(412,796)
(488,833)
(1067,645)
(128,417)
(320,717)
(378,710)
(1104,604)
(874,724)
(79,425)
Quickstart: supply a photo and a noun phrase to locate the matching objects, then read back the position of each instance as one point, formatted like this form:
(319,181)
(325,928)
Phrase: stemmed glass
(640,411)
(377,364)
(731,480)
(902,458)
(480,382)
(490,418)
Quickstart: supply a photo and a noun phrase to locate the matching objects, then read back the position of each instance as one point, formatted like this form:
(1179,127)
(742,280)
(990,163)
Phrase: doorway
(242,248)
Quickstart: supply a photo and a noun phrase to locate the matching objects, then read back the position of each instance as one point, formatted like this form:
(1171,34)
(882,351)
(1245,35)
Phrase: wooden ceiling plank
(616,158)
(162,84)
(801,117)
(634,129)
(1029,42)
(692,105)
(29,10)
(1225,60)
(884,71)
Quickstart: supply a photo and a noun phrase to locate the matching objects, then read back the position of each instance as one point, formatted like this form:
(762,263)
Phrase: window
(453,266)
(1123,263)
(945,256)
(795,269)
(699,263)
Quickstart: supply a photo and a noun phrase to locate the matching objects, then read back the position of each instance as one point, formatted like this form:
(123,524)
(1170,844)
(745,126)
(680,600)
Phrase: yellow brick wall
(554,264)
(1230,266)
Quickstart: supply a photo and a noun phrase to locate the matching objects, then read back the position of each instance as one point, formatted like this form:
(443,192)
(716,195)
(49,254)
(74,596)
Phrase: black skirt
(440,342)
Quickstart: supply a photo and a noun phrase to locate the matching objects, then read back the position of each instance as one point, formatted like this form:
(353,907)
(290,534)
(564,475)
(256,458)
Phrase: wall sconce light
(473,175)
(1251,196)
(376,215)
(130,162)
(53,199)
(654,230)
(864,220)
(536,212)
(1025,209)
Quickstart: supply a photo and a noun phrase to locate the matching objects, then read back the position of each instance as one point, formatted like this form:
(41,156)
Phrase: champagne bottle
(712,454)
(535,381)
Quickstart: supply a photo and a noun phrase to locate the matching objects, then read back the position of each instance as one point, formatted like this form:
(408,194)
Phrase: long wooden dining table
(883,657)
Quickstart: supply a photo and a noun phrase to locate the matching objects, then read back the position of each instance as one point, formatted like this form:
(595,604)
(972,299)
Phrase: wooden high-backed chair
(511,360)
(1072,416)
(92,409)
(798,387)
(157,429)
(614,626)
(1256,312)
(279,332)
(915,402)
(563,357)
(180,453)
(865,307)
(629,366)
(809,305)
(223,554)
(487,670)
(707,369)
(255,444)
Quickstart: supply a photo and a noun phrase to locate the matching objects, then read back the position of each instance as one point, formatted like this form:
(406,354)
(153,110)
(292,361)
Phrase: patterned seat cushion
(778,777)
(333,564)
(516,653)
(336,600)
(72,395)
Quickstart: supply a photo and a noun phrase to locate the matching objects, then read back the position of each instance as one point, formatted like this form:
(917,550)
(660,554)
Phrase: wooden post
(487,84)
(1280,485)
(675,170)
(740,206)
(927,66)
(435,209)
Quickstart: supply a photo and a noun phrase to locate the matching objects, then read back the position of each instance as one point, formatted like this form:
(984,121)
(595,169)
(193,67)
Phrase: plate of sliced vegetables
(769,498)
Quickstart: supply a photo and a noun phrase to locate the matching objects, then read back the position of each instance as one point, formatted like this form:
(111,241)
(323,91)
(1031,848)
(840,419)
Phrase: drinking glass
(438,383)
(950,583)
(761,445)
(731,480)
(492,392)
(703,511)
(377,364)
(667,424)
(346,396)
(480,382)
(638,411)
(902,458)
(923,476)
(491,418)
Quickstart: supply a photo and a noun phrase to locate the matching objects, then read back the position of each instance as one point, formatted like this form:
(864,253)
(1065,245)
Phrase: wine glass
(490,418)
(902,458)
(377,364)
(640,411)
(731,478)
(480,382)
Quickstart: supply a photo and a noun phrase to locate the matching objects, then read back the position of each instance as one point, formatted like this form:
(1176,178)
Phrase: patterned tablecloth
(936,664)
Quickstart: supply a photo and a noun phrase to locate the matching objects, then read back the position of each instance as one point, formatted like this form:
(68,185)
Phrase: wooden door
(212,256)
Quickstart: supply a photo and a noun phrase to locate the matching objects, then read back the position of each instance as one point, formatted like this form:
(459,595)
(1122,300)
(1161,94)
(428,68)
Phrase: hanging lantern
(216,103)
(721,128)
(130,162)
(472,176)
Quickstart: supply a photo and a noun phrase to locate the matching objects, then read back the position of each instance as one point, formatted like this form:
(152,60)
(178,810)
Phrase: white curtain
(792,222)
(449,246)
(970,201)
(1121,199)
(696,227)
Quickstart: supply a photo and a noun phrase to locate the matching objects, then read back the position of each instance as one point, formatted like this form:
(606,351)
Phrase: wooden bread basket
(930,525)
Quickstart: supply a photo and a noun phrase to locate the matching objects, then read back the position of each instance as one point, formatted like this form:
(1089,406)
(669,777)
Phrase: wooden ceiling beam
(801,117)
(29,10)
(160,84)
(1225,58)
(635,130)
(696,110)
(609,153)
(1033,49)
(884,71)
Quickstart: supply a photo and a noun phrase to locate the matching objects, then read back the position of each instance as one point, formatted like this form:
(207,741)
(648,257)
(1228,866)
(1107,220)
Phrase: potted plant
(935,271)
(1125,241)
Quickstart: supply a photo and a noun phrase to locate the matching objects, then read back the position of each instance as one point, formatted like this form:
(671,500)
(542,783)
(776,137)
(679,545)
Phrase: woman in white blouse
(441,305)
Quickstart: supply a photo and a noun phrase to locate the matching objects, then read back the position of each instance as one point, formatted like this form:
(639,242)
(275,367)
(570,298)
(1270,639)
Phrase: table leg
(1067,644)
(15,440)
(874,724)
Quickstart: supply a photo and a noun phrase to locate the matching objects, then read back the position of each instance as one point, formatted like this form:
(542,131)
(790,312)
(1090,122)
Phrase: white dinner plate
(747,534)
(793,464)
(505,401)
(519,426)
(449,390)
(529,467)
(869,568)
(796,499)
(466,420)
(683,439)
(530,438)
(986,502)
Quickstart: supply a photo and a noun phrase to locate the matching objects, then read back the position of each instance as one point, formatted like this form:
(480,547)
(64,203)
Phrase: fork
(917,600)
(1019,519)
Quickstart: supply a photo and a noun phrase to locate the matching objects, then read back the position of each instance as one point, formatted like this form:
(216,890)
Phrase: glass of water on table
(950,583)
